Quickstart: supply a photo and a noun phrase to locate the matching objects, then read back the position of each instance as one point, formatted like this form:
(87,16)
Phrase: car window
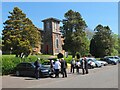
(21,65)
(28,65)
(46,63)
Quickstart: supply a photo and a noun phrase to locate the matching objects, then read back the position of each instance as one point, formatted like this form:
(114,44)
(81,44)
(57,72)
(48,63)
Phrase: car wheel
(17,73)
(113,63)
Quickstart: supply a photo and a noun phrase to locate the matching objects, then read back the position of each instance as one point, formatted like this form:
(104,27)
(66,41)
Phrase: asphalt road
(105,77)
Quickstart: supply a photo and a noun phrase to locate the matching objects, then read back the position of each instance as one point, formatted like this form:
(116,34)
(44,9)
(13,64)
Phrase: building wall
(47,39)
(51,36)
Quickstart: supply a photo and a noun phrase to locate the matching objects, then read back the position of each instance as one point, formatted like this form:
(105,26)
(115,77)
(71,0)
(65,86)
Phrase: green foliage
(68,59)
(118,46)
(102,43)
(0,43)
(10,61)
(20,34)
(74,32)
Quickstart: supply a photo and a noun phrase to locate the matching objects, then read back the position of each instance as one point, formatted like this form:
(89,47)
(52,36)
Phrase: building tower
(52,43)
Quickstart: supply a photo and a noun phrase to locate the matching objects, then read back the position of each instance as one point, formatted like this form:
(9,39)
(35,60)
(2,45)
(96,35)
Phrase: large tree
(102,43)
(74,33)
(119,45)
(19,34)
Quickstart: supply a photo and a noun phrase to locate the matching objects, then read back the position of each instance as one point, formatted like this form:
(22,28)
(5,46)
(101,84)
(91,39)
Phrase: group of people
(60,66)
(83,64)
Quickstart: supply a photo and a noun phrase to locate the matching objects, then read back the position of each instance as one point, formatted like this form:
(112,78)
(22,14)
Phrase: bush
(9,62)
(68,59)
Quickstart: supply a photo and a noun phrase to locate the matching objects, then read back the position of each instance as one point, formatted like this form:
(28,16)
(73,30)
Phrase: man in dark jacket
(63,67)
(72,65)
(84,65)
(37,66)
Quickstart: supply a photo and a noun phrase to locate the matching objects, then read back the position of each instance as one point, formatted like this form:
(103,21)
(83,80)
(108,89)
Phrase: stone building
(52,40)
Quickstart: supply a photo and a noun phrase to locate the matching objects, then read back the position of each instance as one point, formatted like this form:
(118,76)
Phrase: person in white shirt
(57,68)
(78,66)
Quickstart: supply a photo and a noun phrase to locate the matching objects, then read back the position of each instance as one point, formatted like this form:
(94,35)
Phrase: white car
(91,64)
(103,63)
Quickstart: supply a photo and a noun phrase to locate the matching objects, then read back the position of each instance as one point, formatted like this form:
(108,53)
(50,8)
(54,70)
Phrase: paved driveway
(105,77)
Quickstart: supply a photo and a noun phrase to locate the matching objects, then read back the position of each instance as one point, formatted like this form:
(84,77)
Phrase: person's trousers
(36,73)
(72,69)
(56,72)
(85,70)
(77,69)
(64,73)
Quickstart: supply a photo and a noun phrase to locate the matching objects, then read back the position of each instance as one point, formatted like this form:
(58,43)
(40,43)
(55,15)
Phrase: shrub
(68,59)
(9,62)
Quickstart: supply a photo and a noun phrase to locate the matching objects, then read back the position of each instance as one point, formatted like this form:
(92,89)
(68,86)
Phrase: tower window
(54,26)
(57,43)
(48,24)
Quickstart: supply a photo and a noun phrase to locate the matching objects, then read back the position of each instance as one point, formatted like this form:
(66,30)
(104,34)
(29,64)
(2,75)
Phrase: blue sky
(94,13)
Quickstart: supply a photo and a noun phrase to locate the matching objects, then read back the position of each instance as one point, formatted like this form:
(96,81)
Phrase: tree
(102,42)
(116,46)
(0,43)
(20,33)
(74,32)
(119,45)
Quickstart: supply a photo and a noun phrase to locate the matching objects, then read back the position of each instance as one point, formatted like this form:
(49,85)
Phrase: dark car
(28,69)
(110,60)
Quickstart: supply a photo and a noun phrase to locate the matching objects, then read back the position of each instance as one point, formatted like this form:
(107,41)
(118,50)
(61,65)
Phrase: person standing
(63,67)
(51,65)
(37,66)
(57,68)
(72,65)
(84,65)
(78,66)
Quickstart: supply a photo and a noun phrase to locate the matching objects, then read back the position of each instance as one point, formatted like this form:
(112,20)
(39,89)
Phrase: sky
(94,13)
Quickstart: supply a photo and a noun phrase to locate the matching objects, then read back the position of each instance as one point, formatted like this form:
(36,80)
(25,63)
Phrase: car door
(21,68)
(30,70)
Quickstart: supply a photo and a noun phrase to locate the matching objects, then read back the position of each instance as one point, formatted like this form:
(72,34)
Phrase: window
(54,26)
(57,43)
(48,24)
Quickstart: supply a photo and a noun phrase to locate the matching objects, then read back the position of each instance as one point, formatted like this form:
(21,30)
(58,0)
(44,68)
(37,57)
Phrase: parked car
(103,63)
(111,60)
(97,64)
(117,57)
(91,64)
(28,69)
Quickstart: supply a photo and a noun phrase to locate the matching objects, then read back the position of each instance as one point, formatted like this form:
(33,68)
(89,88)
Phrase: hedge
(9,62)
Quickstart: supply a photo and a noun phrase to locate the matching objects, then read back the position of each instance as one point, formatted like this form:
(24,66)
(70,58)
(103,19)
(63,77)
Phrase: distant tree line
(20,35)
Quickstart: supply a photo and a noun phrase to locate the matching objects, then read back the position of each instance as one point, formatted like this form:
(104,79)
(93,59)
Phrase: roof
(54,19)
